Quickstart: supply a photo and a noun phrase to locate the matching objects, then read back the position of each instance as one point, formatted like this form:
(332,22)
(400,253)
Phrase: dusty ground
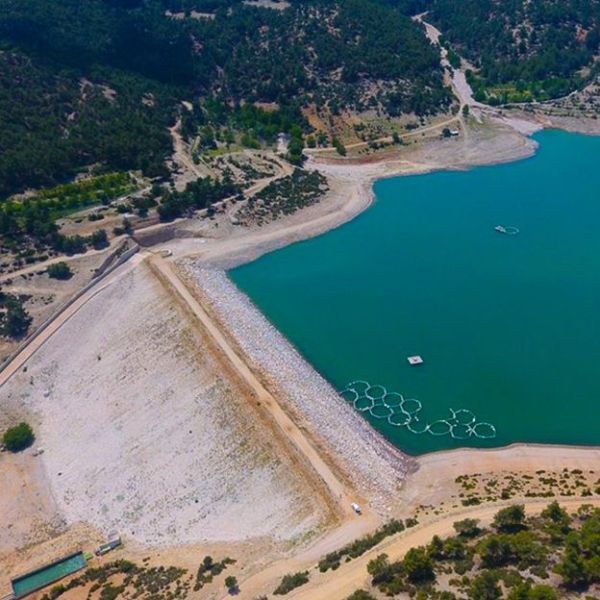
(432,494)
(353,575)
(144,433)
(434,485)
(26,505)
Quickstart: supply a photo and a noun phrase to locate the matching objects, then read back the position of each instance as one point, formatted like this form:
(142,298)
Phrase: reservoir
(508,326)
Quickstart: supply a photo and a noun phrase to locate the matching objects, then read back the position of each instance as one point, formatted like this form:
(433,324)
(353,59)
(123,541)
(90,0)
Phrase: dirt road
(353,575)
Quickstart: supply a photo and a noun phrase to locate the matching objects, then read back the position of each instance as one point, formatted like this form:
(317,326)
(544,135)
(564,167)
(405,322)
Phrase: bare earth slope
(143,435)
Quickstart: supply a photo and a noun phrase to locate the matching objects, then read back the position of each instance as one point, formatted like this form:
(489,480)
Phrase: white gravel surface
(375,467)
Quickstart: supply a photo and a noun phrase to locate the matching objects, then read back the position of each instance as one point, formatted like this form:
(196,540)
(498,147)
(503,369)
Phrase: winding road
(353,575)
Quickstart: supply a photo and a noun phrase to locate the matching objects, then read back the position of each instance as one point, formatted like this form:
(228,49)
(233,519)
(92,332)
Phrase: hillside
(100,81)
(523,49)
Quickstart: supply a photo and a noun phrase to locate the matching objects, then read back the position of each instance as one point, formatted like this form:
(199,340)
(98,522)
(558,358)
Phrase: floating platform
(507,229)
(414,360)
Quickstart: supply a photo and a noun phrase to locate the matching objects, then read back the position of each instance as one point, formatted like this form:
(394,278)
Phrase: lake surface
(508,325)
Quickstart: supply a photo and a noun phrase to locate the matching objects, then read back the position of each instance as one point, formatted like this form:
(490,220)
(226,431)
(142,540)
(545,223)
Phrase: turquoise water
(38,579)
(508,326)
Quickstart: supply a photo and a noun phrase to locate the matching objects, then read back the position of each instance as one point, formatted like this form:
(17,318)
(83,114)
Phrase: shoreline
(351,191)
(386,479)
(351,194)
(373,465)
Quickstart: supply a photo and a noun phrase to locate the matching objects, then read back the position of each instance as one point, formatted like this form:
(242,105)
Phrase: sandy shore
(350,193)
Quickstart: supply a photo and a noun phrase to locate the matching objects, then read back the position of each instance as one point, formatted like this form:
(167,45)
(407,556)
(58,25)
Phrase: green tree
(15,322)
(573,569)
(18,438)
(436,548)
(295,148)
(341,149)
(418,566)
(59,270)
(99,239)
(527,591)
(468,528)
(378,566)
(495,551)
(455,548)
(290,582)
(558,522)
(231,583)
(510,519)
(542,592)
(484,587)
(360,595)
(555,513)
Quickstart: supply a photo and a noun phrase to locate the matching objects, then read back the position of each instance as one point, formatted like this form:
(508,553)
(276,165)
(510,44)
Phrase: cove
(508,325)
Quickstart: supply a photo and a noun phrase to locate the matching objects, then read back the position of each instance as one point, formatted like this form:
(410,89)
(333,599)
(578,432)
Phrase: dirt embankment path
(339,491)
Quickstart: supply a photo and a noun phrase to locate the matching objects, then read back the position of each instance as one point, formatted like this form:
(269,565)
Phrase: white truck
(356,508)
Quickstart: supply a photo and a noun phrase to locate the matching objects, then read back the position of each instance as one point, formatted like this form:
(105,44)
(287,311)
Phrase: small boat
(500,229)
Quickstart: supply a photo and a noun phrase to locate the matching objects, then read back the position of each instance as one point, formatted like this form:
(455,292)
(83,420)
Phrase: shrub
(341,149)
(360,546)
(485,587)
(14,320)
(231,583)
(468,528)
(510,519)
(291,582)
(18,438)
(360,595)
(60,270)
(418,566)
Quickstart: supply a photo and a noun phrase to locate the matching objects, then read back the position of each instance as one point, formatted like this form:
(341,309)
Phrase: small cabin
(113,542)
